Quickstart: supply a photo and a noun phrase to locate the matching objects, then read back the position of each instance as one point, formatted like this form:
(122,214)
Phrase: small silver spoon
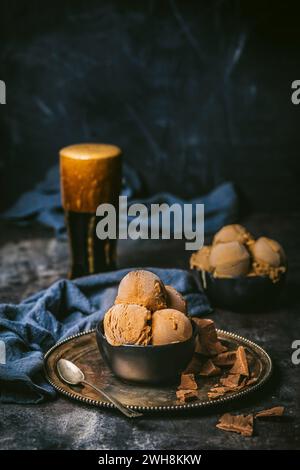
(72,375)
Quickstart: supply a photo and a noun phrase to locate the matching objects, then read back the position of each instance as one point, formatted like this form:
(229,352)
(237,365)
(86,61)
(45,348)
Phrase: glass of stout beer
(90,175)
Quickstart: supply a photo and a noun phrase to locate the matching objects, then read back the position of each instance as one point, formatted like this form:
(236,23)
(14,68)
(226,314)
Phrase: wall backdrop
(195,92)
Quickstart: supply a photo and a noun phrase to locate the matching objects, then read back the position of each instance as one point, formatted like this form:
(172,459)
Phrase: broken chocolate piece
(188,382)
(207,342)
(241,364)
(209,369)
(229,384)
(236,423)
(186,395)
(217,392)
(232,381)
(243,383)
(225,359)
(275,411)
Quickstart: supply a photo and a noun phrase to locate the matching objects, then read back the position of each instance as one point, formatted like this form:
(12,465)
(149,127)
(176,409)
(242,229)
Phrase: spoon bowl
(72,375)
(69,372)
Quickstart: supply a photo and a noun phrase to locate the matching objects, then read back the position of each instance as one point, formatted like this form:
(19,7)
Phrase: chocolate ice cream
(268,258)
(200,259)
(127,324)
(230,259)
(233,233)
(170,326)
(146,312)
(269,252)
(142,288)
(175,299)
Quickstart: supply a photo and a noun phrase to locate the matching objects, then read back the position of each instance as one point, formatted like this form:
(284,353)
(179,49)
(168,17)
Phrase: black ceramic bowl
(241,293)
(146,364)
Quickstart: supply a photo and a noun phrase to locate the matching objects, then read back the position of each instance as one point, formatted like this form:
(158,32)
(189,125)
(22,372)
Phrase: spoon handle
(126,411)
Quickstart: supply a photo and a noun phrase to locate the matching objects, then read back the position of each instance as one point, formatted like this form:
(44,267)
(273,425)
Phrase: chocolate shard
(236,423)
(207,342)
(217,392)
(188,382)
(209,369)
(185,396)
(240,366)
(270,412)
(232,381)
(227,384)
(225,359)
(194,366)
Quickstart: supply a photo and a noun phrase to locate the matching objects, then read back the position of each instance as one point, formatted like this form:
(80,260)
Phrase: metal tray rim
(184,406)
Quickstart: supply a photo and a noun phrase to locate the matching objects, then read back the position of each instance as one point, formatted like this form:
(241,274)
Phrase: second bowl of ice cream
(146,336)
(239,272)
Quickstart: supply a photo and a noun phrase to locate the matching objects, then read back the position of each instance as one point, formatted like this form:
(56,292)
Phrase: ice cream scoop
(233,233)
(268,258)
(142,288)
(170,326)
(127,324)
(200,259)
(230,259)
(268,251)
(175,299)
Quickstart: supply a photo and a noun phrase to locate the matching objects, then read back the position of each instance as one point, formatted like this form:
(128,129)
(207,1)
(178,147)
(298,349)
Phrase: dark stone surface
(203,88)
(31,259)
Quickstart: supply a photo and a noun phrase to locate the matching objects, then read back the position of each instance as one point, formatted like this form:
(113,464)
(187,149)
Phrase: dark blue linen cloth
(43,203)
(29,329)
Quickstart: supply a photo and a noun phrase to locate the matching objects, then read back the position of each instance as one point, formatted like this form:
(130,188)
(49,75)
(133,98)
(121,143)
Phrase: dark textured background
(196,92)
